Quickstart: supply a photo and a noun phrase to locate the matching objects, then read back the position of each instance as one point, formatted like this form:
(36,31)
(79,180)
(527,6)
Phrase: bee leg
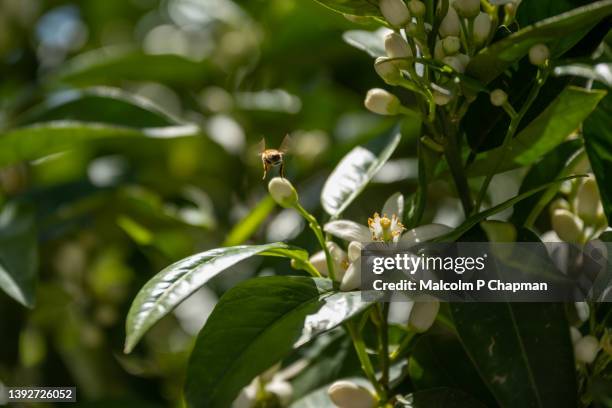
(265,169)
(282,170)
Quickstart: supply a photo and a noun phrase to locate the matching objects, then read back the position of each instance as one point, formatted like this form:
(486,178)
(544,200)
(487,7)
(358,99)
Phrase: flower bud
(587,203)
(417,8)
(567,226)
(396,46)
(498,97)
(450,24)
(539,54)
(442,98)
(464,59)
(467,8)
(586,349)
(347,394)
(352,277)
(382,102)
(559,204)
(439,51)
(282,192)
(354,251)
(451,45)
(395,12)
(387,70)
(575,334)
(482,28)
(339,258)
(412,30)
(423,315)
(455,63)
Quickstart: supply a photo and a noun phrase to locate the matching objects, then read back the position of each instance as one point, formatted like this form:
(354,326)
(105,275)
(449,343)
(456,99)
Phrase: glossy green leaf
(111,65)
(598,143)
(100,104)
(353,173)
(247,226)
(533,11)
(353,7)
(473,220)
(372,42)
(40,140)
(439,398)
(551,167)
(18,253)
(256,324)
(176,282)
(515,346)
(560,119)
(493,60)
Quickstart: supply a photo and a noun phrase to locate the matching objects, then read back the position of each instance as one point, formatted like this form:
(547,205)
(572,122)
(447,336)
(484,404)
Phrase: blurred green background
(111,210)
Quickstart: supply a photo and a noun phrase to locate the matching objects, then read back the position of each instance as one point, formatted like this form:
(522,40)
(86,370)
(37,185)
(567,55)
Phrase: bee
(274,157)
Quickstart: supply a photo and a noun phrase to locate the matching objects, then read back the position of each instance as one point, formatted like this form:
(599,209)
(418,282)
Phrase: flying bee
(274,157)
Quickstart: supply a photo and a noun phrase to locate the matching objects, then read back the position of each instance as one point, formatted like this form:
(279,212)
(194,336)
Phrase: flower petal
(348,230)
(424,233)
(352,277)
(394,205)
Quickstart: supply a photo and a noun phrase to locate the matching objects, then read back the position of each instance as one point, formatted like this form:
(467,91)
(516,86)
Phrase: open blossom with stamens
(384,228)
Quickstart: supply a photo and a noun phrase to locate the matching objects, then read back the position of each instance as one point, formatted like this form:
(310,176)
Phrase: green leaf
(353,7)
(493,60)
(372,42)
(256,324)
(37,141)
(115,64)
(18,253)
(249,224)
(175,283)
(551,167)
(100,104)
(515,346)
(560,119)
(598,144)
(439,398)
(473,220)
(353,173)
(533,11)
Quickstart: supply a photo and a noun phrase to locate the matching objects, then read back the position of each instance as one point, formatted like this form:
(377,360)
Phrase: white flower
(395,12)
(450,24)
(282,192)
(339,258)
(539,54)
(382,102)
(586,349)
(417,8)
(347,394)
(482,28)
(385,229)
(396,46)
(451,45)
(467,8)
(498,97)
(423,314)
(567,226)
(387,70)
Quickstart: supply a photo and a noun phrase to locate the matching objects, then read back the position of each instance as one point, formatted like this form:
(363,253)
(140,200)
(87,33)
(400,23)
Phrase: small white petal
(394,205)
(352,278)
(424,233)
(348,231)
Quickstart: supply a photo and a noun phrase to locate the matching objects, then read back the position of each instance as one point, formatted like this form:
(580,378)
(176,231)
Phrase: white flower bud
(282,192)
(396,46)
(423,315)
(395,12)
(498,97)
(417,8)
(467,8)
(567,226)
(412,30)
(451,45)
(464,59)
(382,102)
(387,70)
(455,63)
(450,24)
(587,203)
(575,334)
(439,51)
(586,349)
(482,28)
(559,204)
(539,54)
(347,394)
(354,251)
(339,258)
(442,98)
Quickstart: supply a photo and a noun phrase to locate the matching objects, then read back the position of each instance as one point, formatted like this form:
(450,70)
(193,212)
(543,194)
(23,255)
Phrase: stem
(364,359)
(316,228)
(514,123)
(383,343)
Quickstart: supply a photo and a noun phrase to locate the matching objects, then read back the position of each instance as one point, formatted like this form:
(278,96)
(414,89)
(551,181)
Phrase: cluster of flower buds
(579,216)
(347,394)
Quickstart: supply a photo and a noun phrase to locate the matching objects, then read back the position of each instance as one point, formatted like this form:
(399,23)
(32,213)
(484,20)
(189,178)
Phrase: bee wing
(261,146)
(286,144)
